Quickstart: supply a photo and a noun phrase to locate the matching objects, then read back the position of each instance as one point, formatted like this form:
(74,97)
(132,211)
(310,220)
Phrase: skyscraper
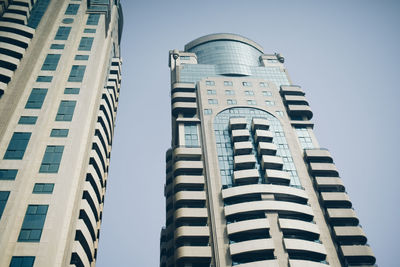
(247,183)
(60,74)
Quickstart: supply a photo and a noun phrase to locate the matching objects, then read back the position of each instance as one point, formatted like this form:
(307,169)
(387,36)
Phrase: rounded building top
(222,37)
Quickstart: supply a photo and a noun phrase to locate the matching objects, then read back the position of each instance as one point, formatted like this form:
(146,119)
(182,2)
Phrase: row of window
(232,92)
(213,101)
(230,83)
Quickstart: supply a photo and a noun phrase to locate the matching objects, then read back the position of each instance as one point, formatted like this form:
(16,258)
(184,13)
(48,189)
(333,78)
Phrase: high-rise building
(247,183)
(60,74)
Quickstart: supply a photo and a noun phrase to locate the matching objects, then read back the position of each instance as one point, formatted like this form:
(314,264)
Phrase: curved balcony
(323,169)
(304,249)
(291,90)
(271,162)
(237,123)
(305,263)
(192,232)
(183,97)
(267,148)
(259,124)
(295,227)
(263,136)
(184,167)
(242,148)
(295,100)
(184,107)
(245,190)
(244,162)
(14,18)
(190,196)
(335,200)
(246,176)
(190,213)
(188,181)
(300,111)
(240,135)
(350,235)
(332,184)
(266,263)
(183,87)
(358,255)
(251,246)
(277,177)
(339,217)
(23,30)
(318,155)
(11,50)
(193,253)
(187,152)
(282,207)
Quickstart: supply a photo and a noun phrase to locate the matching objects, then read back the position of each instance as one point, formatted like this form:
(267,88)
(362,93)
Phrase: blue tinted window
(51,159)
(3,200)
(44,79)
(8,174)
(41,188)
(86,44)
(72,9)
(89,31)
(71,91)
(82,57)
(191,136)
(27,120)
(36,98)
(57,46)
(37,13)
(17,146)
(32,226)
(62,33)
(76,74)
(93,19)
(66,110)
(22,261)
(59,133)
(51,62)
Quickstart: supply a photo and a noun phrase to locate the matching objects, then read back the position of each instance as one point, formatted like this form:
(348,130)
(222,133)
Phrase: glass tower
(247,183)
(60,74)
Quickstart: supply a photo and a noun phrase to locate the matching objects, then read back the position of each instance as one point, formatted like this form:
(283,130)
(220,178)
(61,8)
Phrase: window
(3,200)
(66,110)
(247,84)
(211,92)
(251,102)
(93,19)
(32,226)
(17,146)
(228,83)
(207,111)
(71,91)
(269,103)
(267,93)
(229,92)
(51,159)
(184,58)
(51,62)
(280,113)
(36,98)
(72,9)
(40,188)
(304,138)
(86,44)
(248,92)
(22,261)
(44,79)
(191,136)
(62,33)
(8,174)
(89,30)
(27,120)
(57,46)
(231,101)
(36,13)
(76,74)
(82,57)
(212,101)
(210,83)
(263,84)
(59,133)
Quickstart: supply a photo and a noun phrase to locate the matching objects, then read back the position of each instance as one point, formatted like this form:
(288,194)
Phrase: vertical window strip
(17,146)
(32,227)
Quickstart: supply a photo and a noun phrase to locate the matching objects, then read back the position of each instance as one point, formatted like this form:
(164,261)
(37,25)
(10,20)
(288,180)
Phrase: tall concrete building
(60,74)
(247,183)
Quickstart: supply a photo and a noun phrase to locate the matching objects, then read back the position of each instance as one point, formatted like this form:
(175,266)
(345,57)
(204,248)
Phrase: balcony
(246,176)
(240,135)
(183,197)
(244,162)
(259,124)
(263,136)
(247,226)
(335,200)
(182,152)
(304,249)
(318,155)
(237,123)
(193,254)
(266,148)
(291,90)
(271,162)
(300,111)
(188,181)
(296,227)
(323,169)
(277,177)
(303,263)
(188,108)
(342,217)
(242,148)
(358,255)
(192,232)
(183,97)
(295,100)
(184,167)
(350,235)
(329,184)
(251,247)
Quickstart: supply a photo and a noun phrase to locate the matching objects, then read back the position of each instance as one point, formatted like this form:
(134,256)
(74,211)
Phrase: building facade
(247,183)
(60,74)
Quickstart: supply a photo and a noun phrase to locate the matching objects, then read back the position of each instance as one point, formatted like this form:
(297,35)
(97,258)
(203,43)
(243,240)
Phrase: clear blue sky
(345,55)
